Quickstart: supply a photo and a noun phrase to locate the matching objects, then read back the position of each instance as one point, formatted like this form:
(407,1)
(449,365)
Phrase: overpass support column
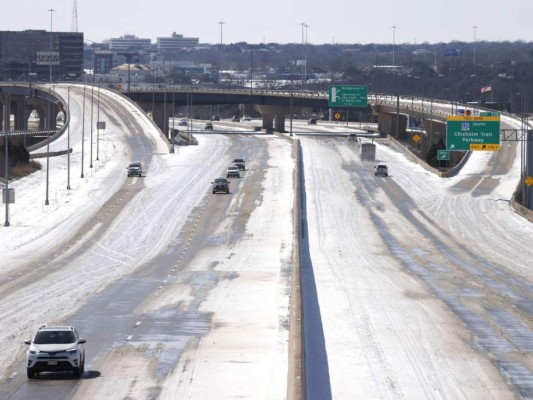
(280,122)
(21,117)
(271,112)
(268,122)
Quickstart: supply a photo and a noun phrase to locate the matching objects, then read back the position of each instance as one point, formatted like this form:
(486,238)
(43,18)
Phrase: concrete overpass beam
(21,116)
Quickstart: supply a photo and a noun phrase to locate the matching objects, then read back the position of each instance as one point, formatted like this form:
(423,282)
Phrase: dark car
(311,121)
(215,118)
(381,169)
(208,126)
(135,169)
(239,163)
(220,185)
(235,118)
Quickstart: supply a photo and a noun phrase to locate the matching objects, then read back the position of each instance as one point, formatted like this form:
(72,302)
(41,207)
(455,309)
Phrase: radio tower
(74,27)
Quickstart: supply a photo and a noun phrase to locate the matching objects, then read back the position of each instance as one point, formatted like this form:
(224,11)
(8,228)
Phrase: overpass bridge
(19,99)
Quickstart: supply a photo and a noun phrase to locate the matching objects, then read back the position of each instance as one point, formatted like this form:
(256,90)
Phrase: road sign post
(348,96)
(473,133)
(443,155)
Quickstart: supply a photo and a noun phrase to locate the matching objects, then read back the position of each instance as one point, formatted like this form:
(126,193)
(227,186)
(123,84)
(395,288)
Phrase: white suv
(56,348)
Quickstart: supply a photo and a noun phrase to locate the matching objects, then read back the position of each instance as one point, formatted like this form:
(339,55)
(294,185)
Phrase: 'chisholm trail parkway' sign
(473,133)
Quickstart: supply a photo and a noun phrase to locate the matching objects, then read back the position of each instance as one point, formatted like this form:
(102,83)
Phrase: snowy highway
(414,286)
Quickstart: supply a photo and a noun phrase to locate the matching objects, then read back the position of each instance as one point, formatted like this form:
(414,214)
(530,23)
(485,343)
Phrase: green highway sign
(473,133)
(348,96)
(443,155)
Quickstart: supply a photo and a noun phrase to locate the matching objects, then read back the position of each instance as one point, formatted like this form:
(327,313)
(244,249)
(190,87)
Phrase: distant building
(176,42)
(103,61)
(26,55)
(134,73)
(129,42)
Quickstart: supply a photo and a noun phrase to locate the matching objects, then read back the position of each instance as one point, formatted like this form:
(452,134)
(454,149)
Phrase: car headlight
(72,351)
(32,352)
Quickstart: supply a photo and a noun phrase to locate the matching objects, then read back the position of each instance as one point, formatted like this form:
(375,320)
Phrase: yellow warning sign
(485,147)
(338,115)
(416,138)
(529,181)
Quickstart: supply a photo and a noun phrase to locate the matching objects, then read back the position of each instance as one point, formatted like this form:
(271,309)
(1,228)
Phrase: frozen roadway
(414,286)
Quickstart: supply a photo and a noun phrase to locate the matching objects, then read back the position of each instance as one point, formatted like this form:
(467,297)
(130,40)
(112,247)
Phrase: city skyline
(344,21)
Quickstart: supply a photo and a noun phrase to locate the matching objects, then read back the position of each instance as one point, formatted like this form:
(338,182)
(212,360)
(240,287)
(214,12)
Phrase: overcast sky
(252,21)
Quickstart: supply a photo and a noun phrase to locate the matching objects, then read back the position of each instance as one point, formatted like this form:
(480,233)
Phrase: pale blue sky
(339,21)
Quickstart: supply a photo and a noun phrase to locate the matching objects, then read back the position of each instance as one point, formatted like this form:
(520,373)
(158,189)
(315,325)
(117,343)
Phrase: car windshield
(54,337)
(232,168)
(220,180)
(239,160)
(135,165)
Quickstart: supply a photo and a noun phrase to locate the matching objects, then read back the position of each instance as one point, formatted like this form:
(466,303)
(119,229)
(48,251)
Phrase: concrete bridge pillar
(273,112)
(19,109)
(268,122)
(435,133)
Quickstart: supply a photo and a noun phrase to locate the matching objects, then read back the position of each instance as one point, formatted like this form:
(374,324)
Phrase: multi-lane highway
(413,286)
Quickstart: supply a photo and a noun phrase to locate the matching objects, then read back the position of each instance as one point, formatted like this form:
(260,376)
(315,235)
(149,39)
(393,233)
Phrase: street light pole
(68,139)
(97,127)
(7,126)
(82,131)
(51,11)
(92,108)
(221,23)
(393,45)
(475,29)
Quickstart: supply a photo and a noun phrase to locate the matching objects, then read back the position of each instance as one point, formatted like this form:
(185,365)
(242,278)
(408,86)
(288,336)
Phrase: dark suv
(239,163)
(135,169)
(220,185)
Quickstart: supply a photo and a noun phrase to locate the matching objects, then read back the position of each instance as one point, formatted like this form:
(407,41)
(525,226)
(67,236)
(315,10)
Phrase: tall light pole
(68,138)
(82,131)
(98,127)
(51,11)
(393,44)
(7,126)
(475,29)
(92,108)
(304,25)
(221,23)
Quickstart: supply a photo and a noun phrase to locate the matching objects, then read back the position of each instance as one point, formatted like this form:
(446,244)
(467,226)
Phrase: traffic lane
(355,267)
(170,290)
(494,304)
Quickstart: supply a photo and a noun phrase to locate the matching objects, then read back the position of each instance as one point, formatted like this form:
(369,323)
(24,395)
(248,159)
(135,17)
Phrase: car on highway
(215,118)
(220,185)
(183,122)
(239,163)
(352,137)
(246,118)
(381,169)
(311,121)
(208,126)
(235,118)
(135,169)
(55,349)
(233,172)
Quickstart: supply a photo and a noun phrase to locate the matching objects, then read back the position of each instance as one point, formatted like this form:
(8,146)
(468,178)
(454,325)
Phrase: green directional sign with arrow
(348,96)
(473,133)
(443,155)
